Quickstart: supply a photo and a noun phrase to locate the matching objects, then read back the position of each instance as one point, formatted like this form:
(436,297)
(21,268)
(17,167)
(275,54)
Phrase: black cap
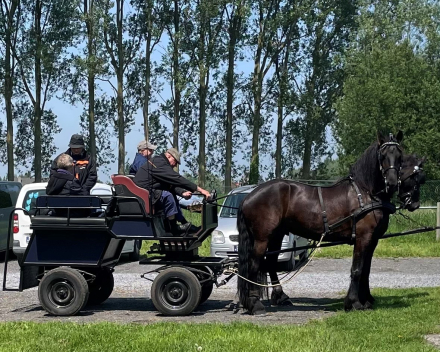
(77,141)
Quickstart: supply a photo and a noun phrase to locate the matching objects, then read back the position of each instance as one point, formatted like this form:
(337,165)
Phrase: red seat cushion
(139,192)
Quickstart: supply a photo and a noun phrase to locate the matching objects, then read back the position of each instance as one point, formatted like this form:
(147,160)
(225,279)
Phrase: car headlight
(217,237)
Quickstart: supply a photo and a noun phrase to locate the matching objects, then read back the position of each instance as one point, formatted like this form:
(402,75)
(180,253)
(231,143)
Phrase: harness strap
(358,192)
(324,214)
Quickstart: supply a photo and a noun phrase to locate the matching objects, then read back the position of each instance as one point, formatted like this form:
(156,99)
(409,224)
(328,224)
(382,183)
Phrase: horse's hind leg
(255,306)
(278,297)
(352,300)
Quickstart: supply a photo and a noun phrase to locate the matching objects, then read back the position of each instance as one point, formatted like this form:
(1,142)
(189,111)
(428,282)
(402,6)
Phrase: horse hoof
(368,305)
(258,309)
(284,300)
(353,305)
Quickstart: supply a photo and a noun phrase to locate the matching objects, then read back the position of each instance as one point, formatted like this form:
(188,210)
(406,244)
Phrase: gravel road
(322,282)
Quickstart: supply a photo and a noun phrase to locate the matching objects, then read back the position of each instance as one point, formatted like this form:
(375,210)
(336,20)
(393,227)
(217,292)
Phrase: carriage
(71,256)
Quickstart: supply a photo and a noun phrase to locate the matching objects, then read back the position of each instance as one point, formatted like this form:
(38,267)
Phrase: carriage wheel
(102,287)
(63,291)
(176,291)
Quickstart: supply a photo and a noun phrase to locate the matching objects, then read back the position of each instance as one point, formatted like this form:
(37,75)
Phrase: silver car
(225,237)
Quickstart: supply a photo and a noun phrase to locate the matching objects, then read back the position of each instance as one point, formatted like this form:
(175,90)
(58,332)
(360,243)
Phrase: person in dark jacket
(145,151)
(84,169)
(62,181)
(157,175)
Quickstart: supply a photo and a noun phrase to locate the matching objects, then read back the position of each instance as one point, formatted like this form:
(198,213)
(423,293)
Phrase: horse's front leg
(364,286)
(352,300)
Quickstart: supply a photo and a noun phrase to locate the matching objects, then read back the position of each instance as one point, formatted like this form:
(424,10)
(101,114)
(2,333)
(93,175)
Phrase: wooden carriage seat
(124,186)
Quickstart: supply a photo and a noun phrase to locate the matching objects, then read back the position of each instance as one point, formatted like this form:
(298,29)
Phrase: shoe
(184,228)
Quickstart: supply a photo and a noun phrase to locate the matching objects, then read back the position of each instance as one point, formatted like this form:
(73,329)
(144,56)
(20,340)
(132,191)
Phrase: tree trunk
(147,87)
(9,85)
(202,102)
(176,77)
(120,94)
(145,110)
(279,136)
(230,83)
(37,105)
(88,10)
(254,174)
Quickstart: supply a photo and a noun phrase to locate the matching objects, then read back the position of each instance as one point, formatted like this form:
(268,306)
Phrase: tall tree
(121,54)
(10,11)
(149,24)
(237,12)
(265,24)
(48,32)
(325,32)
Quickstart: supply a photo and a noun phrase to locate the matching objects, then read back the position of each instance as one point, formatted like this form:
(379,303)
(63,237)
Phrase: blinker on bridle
(406,198)
(391,167)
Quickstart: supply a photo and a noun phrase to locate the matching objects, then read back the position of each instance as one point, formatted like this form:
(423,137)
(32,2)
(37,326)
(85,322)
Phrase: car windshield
(8,195)
(231,204)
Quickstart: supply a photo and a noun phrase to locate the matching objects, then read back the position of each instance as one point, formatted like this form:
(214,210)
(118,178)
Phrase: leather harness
(357,214)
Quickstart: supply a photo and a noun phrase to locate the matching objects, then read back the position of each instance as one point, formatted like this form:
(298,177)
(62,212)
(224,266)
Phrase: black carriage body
(87,237)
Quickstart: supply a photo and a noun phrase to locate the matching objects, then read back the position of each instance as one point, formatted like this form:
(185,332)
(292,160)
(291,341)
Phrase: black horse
(356,209)
(411,177)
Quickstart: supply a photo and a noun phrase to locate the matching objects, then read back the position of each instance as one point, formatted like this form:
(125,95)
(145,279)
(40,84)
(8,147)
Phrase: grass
(418,245)
(398,324)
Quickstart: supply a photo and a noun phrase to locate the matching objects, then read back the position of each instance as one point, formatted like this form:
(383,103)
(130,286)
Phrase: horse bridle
(383,170)
(406,198)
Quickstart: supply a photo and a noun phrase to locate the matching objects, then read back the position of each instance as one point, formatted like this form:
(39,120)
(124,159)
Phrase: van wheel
(102,287)
(63,291)
(134,256)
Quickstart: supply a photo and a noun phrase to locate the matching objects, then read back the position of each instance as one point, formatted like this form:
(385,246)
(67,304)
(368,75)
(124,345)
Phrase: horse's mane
(365,171)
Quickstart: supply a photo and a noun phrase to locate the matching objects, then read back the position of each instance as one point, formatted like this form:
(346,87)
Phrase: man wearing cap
(84,169)
(157,175)
(145,151)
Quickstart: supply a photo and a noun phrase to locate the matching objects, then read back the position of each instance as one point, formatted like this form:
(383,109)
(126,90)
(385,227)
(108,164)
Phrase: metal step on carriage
(71,256)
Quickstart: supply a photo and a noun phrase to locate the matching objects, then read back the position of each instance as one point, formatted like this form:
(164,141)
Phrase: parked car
(27,200)
(225,238)
(9,191)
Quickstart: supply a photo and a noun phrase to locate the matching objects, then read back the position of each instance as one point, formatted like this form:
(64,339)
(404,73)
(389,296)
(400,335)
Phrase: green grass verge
(398,324)
(417,245)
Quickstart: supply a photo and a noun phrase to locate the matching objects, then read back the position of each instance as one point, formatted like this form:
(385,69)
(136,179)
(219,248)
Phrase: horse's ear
(399,136)
(380,138)
(422,161)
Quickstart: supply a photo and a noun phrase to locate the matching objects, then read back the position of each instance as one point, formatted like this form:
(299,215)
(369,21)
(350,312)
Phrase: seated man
(157,175)
(62,181)
(145,151)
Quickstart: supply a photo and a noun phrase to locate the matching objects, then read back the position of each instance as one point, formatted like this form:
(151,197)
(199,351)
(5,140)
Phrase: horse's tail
(245,254)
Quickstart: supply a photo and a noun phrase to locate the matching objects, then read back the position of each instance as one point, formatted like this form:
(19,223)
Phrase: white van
(27,199)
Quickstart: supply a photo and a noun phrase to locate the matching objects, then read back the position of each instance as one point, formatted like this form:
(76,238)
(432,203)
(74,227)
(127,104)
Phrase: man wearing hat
(145,151)
(84,169)
(157,175)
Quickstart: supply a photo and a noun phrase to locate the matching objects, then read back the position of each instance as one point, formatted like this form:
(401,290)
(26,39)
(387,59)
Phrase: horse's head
(389,155)
(411,176)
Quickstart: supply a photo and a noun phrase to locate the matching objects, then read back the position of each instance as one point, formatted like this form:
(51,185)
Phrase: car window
(31,198)
(8,195)
(232,202)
